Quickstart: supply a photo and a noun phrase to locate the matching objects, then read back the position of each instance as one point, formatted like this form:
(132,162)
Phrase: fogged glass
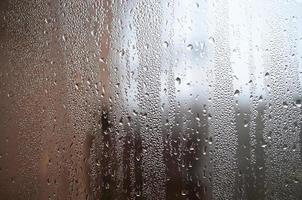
(150,99)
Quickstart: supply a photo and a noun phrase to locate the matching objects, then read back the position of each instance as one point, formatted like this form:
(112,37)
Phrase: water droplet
(178,80)
(298,103)
(183,192)
(77,86)
(63,38)
(211,40)
(190,47)
(166,44)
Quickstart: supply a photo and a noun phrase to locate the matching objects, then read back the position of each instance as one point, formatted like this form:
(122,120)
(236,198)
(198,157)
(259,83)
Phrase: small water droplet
(190,47)
(298,103)
(246,123)
(178,80)
(183,192)
(211,40)
(166,44)
(63,38)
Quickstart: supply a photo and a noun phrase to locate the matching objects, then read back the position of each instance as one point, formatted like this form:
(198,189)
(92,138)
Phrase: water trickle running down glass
(150,99)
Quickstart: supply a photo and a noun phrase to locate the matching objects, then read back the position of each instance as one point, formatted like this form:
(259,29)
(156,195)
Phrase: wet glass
(149,99)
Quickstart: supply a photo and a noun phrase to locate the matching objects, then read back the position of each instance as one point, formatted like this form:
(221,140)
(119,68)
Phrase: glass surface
(151,99)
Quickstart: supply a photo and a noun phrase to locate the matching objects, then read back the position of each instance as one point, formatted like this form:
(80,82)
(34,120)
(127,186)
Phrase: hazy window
(150,99)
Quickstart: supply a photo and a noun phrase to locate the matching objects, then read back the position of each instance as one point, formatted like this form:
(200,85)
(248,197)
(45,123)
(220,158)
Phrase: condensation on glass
(150,99)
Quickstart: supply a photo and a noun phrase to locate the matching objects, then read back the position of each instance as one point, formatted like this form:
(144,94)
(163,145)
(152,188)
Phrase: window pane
(170,99)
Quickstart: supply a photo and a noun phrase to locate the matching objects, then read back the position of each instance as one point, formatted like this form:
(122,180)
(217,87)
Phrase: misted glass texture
(150,99)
